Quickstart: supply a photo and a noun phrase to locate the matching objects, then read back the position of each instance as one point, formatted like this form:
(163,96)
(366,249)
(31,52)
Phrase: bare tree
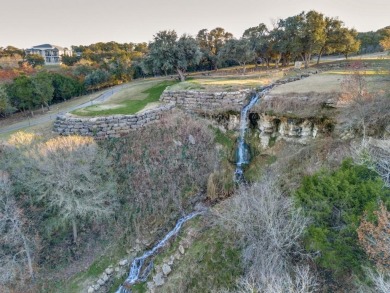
(270,228)
(381,160)
(73,177)
(375,154)
(303,281)
(365,110)
(380,282)
(355,95)
(17,246)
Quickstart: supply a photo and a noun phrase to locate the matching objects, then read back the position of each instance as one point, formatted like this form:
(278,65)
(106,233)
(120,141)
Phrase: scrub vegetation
(311,216)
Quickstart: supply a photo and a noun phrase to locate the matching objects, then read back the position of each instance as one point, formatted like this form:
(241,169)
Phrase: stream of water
(243,155)
(137,273)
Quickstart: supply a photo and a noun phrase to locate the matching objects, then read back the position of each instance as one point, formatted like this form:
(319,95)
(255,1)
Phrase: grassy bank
(128,101)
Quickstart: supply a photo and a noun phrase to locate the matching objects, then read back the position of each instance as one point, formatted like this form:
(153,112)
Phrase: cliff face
(271,128)
(299,130)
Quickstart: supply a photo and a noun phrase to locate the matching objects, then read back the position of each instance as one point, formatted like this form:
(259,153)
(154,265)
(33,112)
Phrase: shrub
(336,201)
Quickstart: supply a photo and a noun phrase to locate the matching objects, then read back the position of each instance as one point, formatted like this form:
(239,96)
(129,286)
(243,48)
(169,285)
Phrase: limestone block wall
(197,100)
(110,126)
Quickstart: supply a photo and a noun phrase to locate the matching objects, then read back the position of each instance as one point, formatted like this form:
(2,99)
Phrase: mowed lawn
(130,100)
(216,83)
(375,72)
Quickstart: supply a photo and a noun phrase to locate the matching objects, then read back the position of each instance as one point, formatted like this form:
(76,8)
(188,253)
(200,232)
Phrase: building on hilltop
(51,53)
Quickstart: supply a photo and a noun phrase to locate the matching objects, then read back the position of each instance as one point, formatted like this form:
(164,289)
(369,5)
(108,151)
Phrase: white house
(51,53)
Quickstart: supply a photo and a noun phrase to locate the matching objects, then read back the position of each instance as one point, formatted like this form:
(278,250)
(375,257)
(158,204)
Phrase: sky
(26,23)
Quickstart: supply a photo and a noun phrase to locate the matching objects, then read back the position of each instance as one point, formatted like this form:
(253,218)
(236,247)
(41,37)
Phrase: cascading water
(137,273)
(138,263)
(243,155)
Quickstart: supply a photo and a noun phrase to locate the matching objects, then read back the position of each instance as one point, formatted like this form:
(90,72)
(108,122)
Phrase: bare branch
(270,228)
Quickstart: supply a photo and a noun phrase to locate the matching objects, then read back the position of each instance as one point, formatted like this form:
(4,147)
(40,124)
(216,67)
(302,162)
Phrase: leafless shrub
(269,228)
(303,281)
(380,282)
(381,163)
(16,244)
(363,110)
(162,168)
(376,155)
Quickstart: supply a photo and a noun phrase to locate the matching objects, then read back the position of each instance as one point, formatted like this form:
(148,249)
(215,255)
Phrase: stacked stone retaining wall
(197,100)
(110,126)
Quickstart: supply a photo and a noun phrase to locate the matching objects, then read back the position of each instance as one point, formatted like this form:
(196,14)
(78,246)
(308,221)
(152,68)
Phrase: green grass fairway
(128,101)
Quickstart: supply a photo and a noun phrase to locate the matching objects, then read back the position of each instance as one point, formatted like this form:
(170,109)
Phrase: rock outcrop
(290,129)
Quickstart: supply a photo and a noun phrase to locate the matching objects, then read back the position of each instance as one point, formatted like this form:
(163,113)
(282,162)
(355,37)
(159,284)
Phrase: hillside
(311,215)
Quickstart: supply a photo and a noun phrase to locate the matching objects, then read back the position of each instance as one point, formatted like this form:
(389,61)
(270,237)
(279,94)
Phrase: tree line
(299,37)
(92,67)
(27,93)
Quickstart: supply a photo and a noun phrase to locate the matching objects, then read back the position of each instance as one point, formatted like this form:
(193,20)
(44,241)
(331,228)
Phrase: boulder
(105,277)
(191,139)
(109,271)
(151,286)
(171,260)
(166,269)
(123,262)
(96,287)
(159,279)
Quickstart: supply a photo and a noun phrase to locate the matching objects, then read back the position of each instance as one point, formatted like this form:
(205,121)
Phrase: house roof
(48,46)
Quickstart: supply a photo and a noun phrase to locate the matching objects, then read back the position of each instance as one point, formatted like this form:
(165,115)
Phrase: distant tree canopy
(11,51)
(240,51)
(6,107)
(307,34)
(70,60)
(257,37)
(298,37)
(119,61)
(167,53)
(210,44)
(35,60)
(371,41)
(385,41)
(101,52)
(41,89)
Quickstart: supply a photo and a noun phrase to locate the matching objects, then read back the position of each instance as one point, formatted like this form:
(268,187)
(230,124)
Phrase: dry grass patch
(321,83)
(230,82)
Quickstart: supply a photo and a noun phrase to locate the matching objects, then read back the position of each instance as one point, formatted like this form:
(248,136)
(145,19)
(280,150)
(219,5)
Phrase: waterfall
(137,271)
(138,263)
(243,155)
